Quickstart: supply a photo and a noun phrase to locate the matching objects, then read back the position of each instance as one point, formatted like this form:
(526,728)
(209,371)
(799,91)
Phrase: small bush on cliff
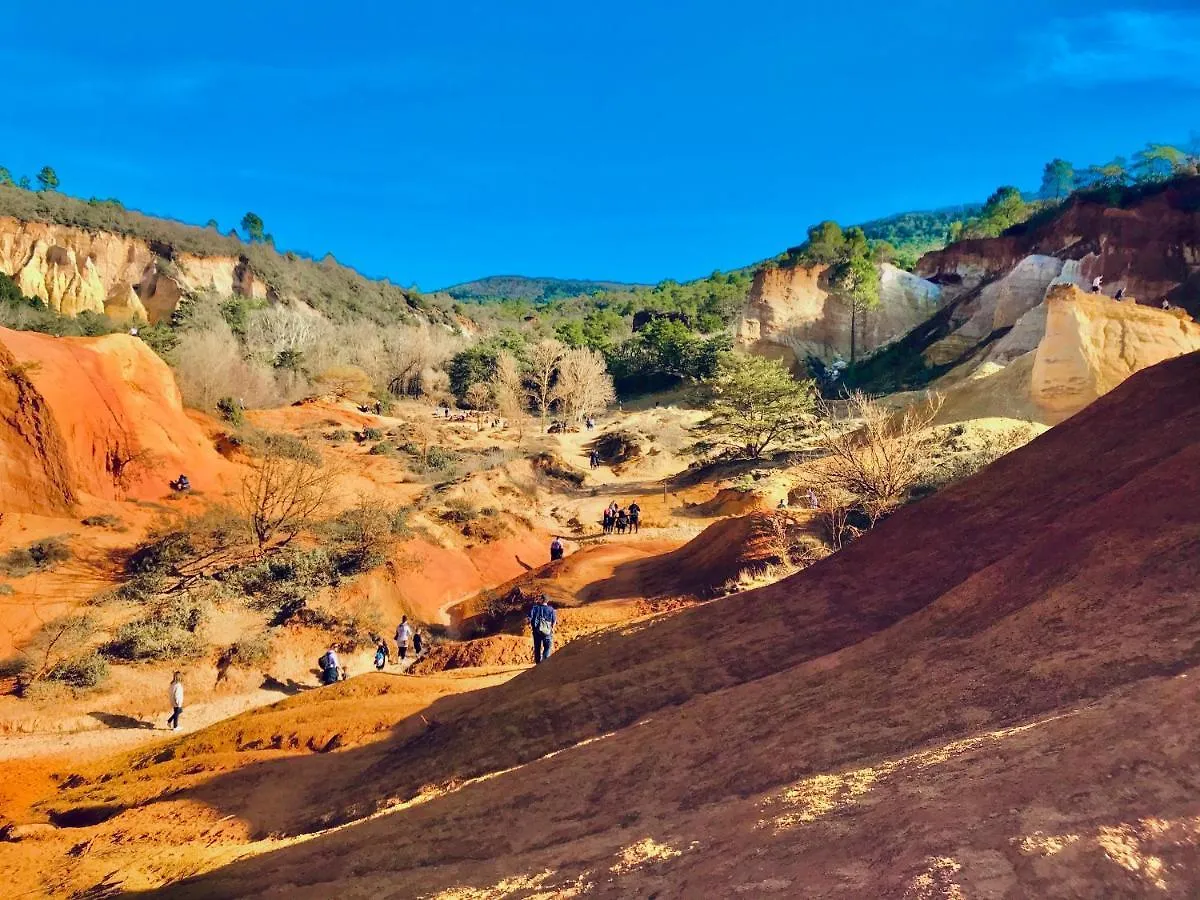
(51,649)
(87,670)
(231,411)
(246,653)
(37,557)
(260,442)
(172,630)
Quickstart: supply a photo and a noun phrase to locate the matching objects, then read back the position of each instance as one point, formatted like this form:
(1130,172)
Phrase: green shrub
(231,411)
(214,538)
(441,458)
(399,521)
(460,511)
(86,670)
(278,443)
(172,630)
(247,652)
(37,557)
(338,436)
(383,448)
(294,575)
(6,590)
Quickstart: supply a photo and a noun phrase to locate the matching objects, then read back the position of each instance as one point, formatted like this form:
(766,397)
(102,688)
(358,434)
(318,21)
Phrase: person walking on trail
(594,459)
(1096,284)
(542,619)
(403,635)
(608,520)
(635,515)
(330,667)
(418,642)
(622,521)
(381,655)
(556,548)
(176,701)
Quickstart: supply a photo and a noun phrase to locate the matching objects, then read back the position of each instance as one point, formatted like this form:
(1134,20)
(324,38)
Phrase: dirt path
(136,731)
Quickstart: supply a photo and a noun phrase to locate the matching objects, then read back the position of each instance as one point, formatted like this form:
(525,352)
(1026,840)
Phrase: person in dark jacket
(542,619)
(635,516)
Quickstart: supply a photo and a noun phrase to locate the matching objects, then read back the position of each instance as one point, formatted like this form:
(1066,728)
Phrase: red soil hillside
(720,553)
(992,695)
(97,416)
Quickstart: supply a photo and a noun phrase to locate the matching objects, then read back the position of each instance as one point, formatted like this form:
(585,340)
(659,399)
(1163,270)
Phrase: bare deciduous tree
(479,395)
(508,389)
(281,497)
(873,458)
(345,382)
(279,328)
(583,386)
(543,364)
(423,434)
(209,365)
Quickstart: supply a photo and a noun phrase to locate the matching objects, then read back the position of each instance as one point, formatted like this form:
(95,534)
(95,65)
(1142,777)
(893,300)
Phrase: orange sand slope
(990,696)
(96,416)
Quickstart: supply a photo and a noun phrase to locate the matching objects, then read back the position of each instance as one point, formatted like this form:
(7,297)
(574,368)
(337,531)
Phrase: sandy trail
(141,730)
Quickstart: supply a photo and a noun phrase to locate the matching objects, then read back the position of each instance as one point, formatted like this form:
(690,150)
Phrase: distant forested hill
(521,287)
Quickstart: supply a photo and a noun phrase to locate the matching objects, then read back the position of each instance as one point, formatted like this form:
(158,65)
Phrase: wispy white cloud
(1117,47)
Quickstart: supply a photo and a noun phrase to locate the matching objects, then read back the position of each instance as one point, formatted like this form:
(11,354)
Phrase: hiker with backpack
(622,521)
(176,701)
(556,549)
(418,642)
(542,619)
(330,667)
(635,515)
(403,634)
(608,520)
(381,655)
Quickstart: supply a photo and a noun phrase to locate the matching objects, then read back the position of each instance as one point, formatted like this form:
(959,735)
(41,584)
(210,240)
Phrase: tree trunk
(853,328)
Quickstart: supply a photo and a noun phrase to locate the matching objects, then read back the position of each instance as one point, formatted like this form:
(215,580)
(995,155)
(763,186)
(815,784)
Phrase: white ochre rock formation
(790,313)
(1092,344)
(74,271)
(1083,346)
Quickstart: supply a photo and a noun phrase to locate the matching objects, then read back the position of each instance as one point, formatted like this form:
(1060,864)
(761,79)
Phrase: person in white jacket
(404,634)
(176,701)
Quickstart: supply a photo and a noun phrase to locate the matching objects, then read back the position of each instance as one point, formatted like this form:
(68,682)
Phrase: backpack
(542,624)
(323,663)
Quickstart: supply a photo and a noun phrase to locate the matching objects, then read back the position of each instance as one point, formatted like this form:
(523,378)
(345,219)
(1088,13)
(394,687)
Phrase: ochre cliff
(1091,345)
(1151,248)
(1086,345)
(75,270)
(93,416)
(791,314)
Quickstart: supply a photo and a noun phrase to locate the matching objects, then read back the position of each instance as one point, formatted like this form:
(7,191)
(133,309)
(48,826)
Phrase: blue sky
(437,142)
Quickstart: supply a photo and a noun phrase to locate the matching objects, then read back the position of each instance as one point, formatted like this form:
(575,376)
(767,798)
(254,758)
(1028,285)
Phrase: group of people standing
(405,634)
(621,520)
